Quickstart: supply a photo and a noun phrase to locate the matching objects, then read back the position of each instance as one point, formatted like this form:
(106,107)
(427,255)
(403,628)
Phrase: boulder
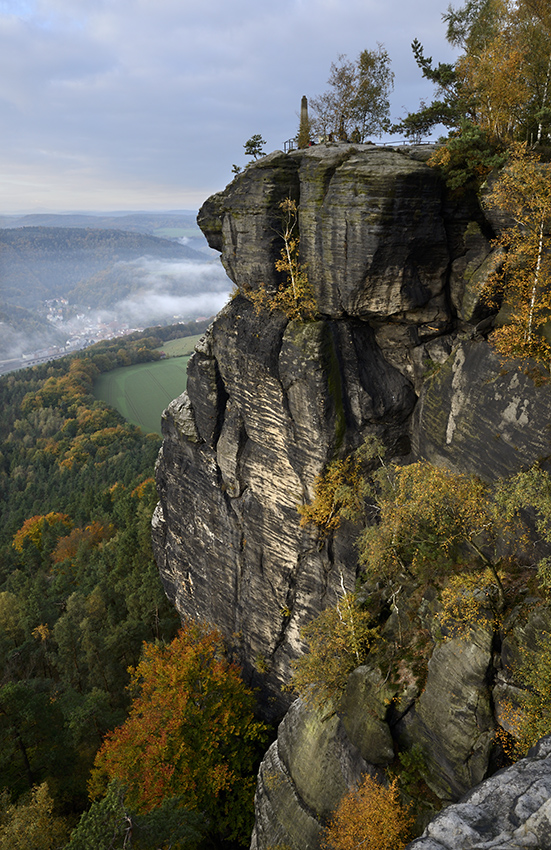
(452,720)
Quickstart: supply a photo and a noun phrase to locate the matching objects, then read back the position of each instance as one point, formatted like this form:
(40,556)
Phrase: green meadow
(181,347)
(142,391)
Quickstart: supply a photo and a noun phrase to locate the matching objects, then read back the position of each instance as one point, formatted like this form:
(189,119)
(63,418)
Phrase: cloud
(164,290)
(162,94)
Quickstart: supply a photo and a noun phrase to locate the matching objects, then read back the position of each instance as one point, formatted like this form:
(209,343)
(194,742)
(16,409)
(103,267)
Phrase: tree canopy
(500,81)
(356,105)
(190,732)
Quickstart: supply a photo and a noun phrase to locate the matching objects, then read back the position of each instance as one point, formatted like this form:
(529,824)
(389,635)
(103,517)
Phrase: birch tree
(523,191)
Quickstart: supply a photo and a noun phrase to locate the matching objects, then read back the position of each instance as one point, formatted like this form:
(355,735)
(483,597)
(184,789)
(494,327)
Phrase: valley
(70,281)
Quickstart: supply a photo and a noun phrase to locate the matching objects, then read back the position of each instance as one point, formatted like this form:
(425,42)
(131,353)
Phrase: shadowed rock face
(372,230)
(475,415)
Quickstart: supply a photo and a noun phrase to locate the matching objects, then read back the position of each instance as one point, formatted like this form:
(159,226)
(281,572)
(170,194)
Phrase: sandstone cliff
(397,266)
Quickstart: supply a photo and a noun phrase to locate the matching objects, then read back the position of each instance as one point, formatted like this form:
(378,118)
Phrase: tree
(31,824)
(339,640)
(523,191)
(425,514)
(110,825)
(492,73)
(357,104)
(190,732)
(253,146)
(35,529)
(295,297)
(341,489)
(468,156)
(370,817)
(375,84)
(420,519)
(500,81)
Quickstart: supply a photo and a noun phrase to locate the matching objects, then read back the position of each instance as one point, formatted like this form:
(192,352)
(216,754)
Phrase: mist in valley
(130,295)
(68,281)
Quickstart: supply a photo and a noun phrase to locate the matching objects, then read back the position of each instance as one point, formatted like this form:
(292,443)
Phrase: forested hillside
(40,263)
(79,591)
(153,223)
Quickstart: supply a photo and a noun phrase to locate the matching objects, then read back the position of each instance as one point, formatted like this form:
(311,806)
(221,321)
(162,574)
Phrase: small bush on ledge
(295,297)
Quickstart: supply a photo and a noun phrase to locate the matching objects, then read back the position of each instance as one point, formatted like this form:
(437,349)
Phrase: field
(177,232)
(180,347)
(141,392)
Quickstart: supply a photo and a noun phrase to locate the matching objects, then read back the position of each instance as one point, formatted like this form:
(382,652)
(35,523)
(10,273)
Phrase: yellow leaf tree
(523,191)
(371,817)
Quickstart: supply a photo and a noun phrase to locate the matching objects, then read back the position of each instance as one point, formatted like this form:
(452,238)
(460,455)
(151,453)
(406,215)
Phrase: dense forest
(79,590)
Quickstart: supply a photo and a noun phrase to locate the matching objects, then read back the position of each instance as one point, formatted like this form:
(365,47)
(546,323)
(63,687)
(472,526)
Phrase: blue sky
(145,104)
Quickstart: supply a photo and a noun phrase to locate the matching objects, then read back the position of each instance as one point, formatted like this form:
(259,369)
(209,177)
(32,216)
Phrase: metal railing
(291,145)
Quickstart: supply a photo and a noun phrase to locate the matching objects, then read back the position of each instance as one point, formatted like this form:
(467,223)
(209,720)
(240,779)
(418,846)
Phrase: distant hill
(41,263)
(140,222)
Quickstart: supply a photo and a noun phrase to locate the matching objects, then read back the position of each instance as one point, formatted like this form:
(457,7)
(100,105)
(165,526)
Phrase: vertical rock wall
(270,402)
(397,268)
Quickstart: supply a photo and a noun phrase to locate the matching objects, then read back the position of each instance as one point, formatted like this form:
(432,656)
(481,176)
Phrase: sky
(145,104)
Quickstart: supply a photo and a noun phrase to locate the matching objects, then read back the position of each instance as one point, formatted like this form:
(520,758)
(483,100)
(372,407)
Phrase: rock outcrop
(269,402)
(509,811)
(398,351)
(448,715)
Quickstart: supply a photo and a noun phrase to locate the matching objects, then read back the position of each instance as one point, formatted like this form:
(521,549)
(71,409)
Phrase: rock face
(302,778)
(397,267)
(509,811)
(266,407)
(269,402)
(472,401)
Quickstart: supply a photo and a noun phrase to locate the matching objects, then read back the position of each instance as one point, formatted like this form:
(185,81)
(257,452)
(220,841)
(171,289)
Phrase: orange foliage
(370,817)
(33,528)
(92,535)
(141,489)
(190,732)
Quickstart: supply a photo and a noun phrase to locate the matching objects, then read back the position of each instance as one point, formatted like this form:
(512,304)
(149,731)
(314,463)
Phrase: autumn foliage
(425,513)
(90,536)
(190,732)
(370,817)
(523,192)
(295,297)
(34,527)
(339,640)
(338,488)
